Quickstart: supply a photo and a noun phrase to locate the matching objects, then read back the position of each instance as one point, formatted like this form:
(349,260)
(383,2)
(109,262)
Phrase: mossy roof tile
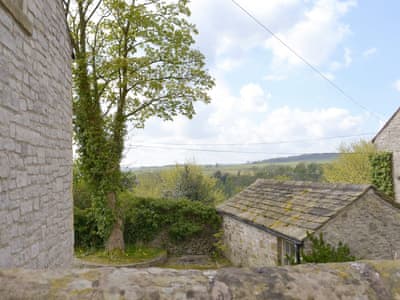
(291,208)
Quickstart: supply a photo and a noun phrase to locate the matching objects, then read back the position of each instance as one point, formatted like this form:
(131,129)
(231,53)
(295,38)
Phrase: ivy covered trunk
(134,60)
(101,145)
(116,238)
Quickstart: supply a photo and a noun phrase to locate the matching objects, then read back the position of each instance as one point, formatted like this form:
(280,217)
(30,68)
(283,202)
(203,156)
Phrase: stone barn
(36,219)
(269,221)
(388,139)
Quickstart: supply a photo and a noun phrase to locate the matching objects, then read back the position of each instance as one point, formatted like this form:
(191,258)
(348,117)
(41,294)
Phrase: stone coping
(354,280)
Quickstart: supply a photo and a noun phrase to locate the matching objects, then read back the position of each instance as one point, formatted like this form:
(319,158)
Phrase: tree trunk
(116,239)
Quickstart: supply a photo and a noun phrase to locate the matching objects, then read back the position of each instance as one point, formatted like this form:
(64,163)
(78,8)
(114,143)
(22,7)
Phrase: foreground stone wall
(357,280)
(247,245)
(370,227)
(35,135)
(389,140)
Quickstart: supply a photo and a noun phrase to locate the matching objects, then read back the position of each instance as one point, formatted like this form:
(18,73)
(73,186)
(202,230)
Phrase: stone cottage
(269,221)
(388,139)
(36,220)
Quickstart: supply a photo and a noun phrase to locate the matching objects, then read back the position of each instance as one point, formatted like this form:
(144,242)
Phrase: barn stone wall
(36,226)
(370,227)
(389,140)
(247,245)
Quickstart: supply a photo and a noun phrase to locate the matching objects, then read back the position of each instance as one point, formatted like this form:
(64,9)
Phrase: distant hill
(306,158)
(313,157)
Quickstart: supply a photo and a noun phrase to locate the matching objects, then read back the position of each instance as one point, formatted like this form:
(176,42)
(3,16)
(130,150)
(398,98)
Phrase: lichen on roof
(291,208)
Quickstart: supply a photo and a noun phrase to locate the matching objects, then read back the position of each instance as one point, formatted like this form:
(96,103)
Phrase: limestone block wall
(355,280)
(389,140)
(370,227)
(36,225)
(247,245)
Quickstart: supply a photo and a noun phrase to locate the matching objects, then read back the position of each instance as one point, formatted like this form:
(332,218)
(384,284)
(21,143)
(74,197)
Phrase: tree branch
(147,104)
(93,11)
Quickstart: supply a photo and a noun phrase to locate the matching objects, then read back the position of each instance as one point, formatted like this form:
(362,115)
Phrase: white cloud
(275,77)
(329,75)
(347,57)
(254,98)
(292,123)
(228,110)
(314,28)
(228,64)
(242,118)
(397,85)
(369,52)
(225,31)
(347,60)
(316,36)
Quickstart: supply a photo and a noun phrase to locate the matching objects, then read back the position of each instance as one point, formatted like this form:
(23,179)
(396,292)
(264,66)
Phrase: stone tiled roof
(291,208)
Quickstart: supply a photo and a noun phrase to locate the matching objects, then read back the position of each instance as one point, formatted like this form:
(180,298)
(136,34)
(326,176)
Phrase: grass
(131,255)
(137,254)
(215,263)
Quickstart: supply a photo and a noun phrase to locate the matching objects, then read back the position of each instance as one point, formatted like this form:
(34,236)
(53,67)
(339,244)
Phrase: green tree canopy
(353,164)
(133,60)
(189,182)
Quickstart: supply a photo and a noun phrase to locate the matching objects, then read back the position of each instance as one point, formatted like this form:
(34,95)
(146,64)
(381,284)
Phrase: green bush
(381,168)
(85,229)
(145,218)
(322,252)
(80,189)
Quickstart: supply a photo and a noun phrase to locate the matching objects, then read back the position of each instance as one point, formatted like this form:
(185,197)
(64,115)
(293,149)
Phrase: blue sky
(264,93)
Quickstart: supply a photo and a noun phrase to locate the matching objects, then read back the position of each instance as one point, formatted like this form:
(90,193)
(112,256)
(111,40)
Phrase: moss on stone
(90,275)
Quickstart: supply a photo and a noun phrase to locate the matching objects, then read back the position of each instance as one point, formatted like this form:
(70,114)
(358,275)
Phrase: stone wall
(357,280)
(370,227)
(389,140)
(36,228)
(247,245)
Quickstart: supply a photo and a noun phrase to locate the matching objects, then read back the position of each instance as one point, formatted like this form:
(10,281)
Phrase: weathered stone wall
(36,228)
(358,280)
(389,140)
(370,227)
(247,245)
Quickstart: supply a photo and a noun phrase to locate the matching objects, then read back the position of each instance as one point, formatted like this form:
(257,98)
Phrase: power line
(266,143)
(227,151)
(205,150)
(307,62)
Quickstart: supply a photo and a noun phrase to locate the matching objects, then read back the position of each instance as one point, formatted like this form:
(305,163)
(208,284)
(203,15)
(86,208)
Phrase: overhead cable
(314,68)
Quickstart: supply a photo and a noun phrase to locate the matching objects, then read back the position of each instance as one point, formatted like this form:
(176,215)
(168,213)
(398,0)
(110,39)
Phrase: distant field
(251,167)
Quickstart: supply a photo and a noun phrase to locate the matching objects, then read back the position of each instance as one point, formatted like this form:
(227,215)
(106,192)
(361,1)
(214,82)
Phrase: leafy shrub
(381,168)
(353,164)
(145,218)
(85,229)
(219,245)
(80,189)
(322,252)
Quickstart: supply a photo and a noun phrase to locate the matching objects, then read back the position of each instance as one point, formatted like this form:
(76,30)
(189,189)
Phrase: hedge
(146,218)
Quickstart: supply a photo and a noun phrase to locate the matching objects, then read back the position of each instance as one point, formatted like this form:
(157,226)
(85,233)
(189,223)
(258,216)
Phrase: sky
(267,102)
